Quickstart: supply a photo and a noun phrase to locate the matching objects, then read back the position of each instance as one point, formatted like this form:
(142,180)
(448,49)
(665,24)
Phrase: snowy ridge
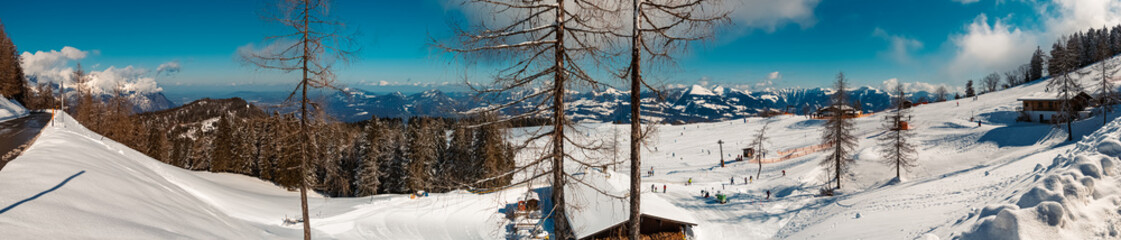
(694,103)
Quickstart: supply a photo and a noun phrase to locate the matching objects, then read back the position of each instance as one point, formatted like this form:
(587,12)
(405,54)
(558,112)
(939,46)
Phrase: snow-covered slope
(973,158)
(73,184)
(1077,196)
(10,109)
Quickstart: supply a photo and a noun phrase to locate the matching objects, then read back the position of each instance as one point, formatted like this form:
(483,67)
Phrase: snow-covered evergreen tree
(369,167)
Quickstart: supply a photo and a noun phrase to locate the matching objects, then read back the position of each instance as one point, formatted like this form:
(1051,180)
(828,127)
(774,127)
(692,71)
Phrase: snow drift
(1077,197)
(10,109)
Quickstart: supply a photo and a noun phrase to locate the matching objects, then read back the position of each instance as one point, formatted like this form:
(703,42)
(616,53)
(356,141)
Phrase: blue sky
(770,44)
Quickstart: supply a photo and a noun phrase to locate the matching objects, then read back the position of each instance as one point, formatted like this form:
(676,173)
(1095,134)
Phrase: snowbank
(1077,197)
(71,184)
(10,109)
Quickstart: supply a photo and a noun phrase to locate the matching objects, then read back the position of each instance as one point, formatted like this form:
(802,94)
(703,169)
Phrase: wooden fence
(794,153)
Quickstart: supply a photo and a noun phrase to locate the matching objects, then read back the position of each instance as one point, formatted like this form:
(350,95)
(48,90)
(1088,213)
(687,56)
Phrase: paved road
(17,132)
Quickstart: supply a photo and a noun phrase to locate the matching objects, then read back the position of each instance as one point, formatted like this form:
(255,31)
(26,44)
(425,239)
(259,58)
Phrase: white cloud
(771,14)
(986,48)
(168,68)
(966,1)
(129,79)
(899,47)
(1067,16)
(52,66)
(768,82)
(889,85)
(767,15)
(704,81)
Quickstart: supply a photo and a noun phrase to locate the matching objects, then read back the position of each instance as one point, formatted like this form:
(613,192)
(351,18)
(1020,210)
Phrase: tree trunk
(636,126)
(560,219)
(898,152)
(303,129)
(760,160)
(1070,130)
(837,166)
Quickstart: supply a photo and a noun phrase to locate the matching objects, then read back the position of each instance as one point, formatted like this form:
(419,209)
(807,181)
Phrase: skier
(768,194)
(690,182)
(733,180)
(750,179)
(783,173)
(653,188)
(663,188)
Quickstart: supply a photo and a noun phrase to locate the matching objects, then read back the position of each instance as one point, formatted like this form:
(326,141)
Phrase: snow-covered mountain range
(688,104)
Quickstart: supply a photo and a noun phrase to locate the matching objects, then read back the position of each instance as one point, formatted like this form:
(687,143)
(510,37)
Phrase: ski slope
(962,168)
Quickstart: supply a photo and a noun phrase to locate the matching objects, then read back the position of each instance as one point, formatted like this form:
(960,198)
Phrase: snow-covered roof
(842,107)
(591,212)
(1044,96)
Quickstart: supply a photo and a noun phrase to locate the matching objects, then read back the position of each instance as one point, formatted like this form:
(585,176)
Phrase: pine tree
(496,156)
(421,154)
(1055,63)
(896,148)
(969,89)
(458,162)
(1036,69)
(157,146)
(289,146)
(224,155)
(12,83)
(838,132)
(395,164)
(370,166)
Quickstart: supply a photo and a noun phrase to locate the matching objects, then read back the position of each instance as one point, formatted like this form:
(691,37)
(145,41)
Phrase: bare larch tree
(896,148)
(1106,68)
(757,142)
(660,29)
(838,132)
(941,94)
(991,81)
(544,46)
(1065,82)
(315,43)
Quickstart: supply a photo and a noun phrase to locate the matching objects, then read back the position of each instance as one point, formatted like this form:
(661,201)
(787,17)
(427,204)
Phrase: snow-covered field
(10,109)
(73,184)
